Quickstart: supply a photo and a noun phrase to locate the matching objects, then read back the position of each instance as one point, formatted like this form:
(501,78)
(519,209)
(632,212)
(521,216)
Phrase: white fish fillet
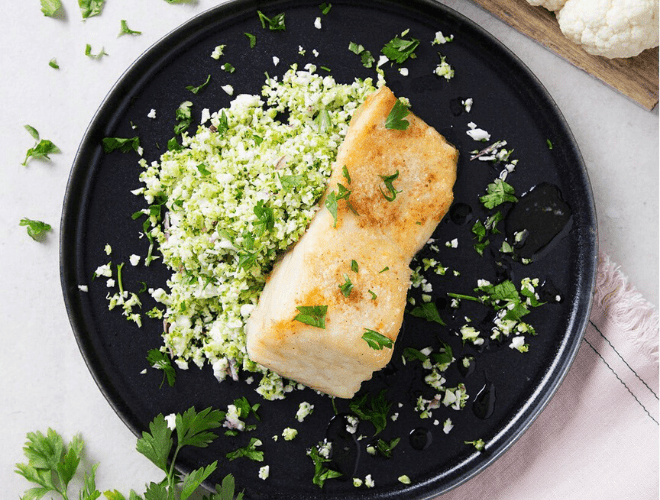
(336,360)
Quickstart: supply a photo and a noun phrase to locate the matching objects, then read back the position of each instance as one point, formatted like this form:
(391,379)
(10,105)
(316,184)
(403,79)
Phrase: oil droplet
(345,449)
(460,213)
(420,438)
(484,404)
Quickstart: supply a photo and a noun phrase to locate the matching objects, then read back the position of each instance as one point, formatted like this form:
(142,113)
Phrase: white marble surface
(45,381)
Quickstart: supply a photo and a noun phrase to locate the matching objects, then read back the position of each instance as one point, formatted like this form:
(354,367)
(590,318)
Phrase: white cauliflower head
(548,4)
(611,28)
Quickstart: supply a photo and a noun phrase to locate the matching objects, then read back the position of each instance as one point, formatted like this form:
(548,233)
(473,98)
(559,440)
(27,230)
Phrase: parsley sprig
(395,120)
(388,180)
(35,228)
(276,23)
(53,465)
(312,315)
(376,340)
(374,409)
(400,49)
(321,472)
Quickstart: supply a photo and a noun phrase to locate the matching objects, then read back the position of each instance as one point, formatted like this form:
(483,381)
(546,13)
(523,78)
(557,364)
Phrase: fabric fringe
(626,308)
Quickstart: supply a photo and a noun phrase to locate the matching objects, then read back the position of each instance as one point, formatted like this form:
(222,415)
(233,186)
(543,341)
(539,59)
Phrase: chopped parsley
(41,149)
(373,295)
(412,354)
(35,228)
(161,361)
(347,286)
(250,451)
(376,340)
(199,88)
(374,410)
(88,52)
(389,184)
(383,270)
(325,8)
(321,472)
(366,57)
(125,30)
(123,144)
(385,448)
(429,312)
(228,68)
(50,7)
(312,315)
(53,63)
(346,174)
(90,8)
(252,39)
(354,266)
(395,120)
(498,192)
(322,121)
(276,23)
(478,444)
(331,202)
(549,143)
(399,49)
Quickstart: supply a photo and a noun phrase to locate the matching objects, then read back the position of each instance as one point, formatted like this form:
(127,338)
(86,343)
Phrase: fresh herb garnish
(498,192)
(346,175)
(395,120)
(373,294)
(90,8)
(478,444)
(50,7)
(265,218)
(445,356)
(41,149)
(161,361)
(412,354)
(354,266)
(376,340)
(276,23)
(383,270)
(123,144)
(88,52)
(325,8)
(321,472)
(202,168)
(312,315)
(53,64)
(35,228)
(347,286)
(549,143)
(196,90)
(480,247)
(386,448)
(323,121)
(183,117)
(366,57)
(53,465)
(389,184)
(228,68)
(331,202)
(375,411)
(399,50)
(252,39)
(125,30)
(429,312)
(250,451)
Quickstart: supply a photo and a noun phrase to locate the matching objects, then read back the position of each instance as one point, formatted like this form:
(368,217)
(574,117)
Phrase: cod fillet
(381,236)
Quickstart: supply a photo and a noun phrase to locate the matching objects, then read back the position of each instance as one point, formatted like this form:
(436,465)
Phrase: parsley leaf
(323,121)
(123,144)
(196,90)
(276,23)
(252,39)
(325,8)
(367,59)
(347,286)
(354,266)
(245,408)
(88,52)
(266,218)
(161,361)
(549,143)
(480,247)
(193,429)
(290,181)
(376,340)
(386,448)
(125,30)
(321,472)
(395,120)
(312,315)
(42,149)
(498,192)
(429,312)
(250,451)
(399,50)
(389,184)
(479,230)
(157,443)
(375,411)
(183,117)
(228,68)
(36,229)
(445,356)
(373,295)
(50,7)
(53,64)
(90,8)
(195,479)
(345,173)
(332,199)
(355,48)
(412,354)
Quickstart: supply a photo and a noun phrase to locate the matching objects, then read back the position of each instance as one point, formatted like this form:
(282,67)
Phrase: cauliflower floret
(611,28)
(552,5)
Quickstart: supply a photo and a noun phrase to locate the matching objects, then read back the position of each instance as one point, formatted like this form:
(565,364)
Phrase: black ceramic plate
(508,102)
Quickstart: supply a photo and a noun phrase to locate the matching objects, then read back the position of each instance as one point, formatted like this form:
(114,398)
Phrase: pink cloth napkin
(598,436)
